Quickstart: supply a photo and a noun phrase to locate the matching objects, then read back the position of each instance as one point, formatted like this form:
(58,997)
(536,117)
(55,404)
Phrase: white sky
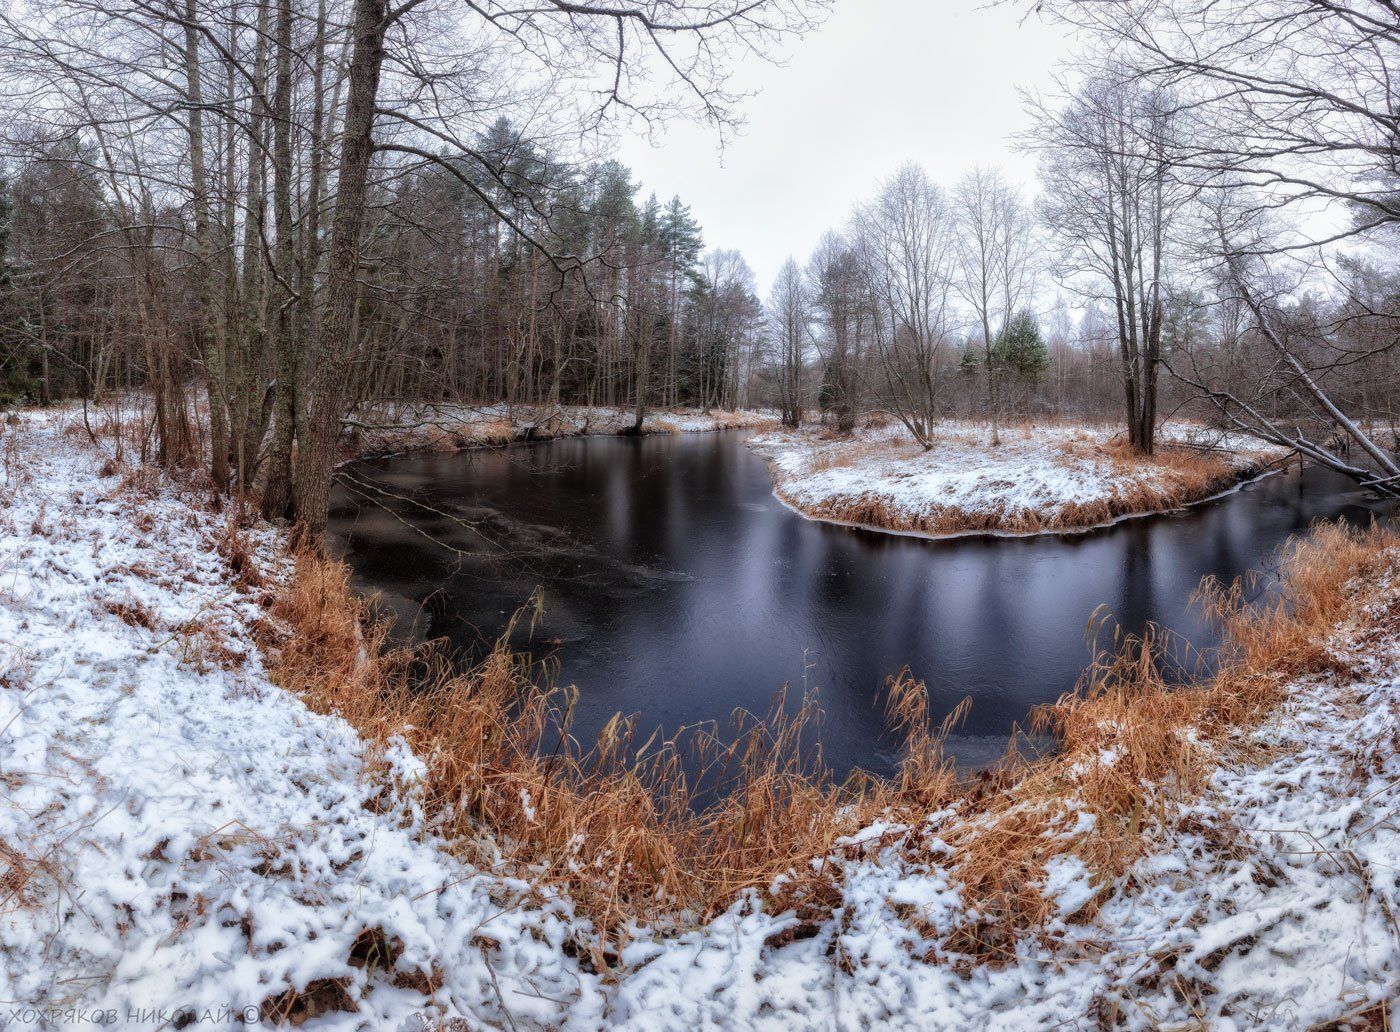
(881,83)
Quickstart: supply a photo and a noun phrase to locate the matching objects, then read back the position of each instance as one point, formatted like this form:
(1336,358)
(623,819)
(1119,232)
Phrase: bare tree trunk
(277,492)
(333,348)
(212,327)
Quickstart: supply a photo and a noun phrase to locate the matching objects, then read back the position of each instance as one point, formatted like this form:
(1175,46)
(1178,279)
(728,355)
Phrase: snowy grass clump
(1044,479)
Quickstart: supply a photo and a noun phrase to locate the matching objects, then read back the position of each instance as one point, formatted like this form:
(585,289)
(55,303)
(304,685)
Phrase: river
(676,587)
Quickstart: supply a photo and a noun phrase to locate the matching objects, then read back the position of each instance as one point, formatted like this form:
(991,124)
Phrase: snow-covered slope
(177,832)
(1055,478)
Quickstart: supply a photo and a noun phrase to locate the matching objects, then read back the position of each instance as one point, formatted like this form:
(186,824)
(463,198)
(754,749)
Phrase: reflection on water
(676,587)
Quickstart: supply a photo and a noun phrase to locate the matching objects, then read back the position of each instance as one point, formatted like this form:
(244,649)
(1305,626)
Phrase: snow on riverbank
(1053,478)
(1274,906)
(448,427)
(179,833)
(175,831)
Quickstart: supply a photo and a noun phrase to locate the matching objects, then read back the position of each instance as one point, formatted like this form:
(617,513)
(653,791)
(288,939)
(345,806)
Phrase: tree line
(1217,198)
(259,215)
(262,213)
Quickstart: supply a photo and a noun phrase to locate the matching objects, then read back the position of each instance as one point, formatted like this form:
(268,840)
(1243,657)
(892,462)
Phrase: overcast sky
(881,83)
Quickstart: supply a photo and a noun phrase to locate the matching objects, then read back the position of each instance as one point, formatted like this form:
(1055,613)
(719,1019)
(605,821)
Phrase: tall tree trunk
(277,492)
(211,344)
(333,348)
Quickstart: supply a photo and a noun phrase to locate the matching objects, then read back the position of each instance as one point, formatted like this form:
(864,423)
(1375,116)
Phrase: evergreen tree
(681,243)
(968,360)
(1019,350)
(681,237)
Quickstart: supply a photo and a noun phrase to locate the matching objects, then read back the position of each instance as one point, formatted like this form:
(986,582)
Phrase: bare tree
(841,309)
(996,243)
(1293,98)
(1281,394)
(905,238)
(1292,105)
(1110,199)
(724,312)
(788,316)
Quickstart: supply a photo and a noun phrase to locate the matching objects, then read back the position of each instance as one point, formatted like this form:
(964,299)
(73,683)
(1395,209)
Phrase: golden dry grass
(616,825)
(1171,478)
(1132,747)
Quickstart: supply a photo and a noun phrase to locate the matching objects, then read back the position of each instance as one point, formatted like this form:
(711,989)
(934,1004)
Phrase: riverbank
(395,429)
(1038,480)
(177,830)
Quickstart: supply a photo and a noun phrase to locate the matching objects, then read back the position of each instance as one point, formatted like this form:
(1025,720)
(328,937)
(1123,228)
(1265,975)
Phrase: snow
(421,427)
(193,836)
(1054,478)
(177,832)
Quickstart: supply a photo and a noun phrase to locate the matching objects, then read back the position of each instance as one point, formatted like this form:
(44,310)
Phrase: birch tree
(908,251)
(996,244)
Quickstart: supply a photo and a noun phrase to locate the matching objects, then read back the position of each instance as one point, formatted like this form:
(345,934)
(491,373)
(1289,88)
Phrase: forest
(444,587)
(175,178)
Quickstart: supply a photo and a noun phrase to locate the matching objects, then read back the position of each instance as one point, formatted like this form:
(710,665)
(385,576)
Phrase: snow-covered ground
(177,832)
(446,427)
(1050,478)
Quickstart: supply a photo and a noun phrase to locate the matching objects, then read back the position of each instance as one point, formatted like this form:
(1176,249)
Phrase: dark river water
(676,586)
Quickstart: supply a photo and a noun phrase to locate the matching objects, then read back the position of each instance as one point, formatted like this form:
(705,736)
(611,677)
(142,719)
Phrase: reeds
(619,824)
(619,827)
(1133,747)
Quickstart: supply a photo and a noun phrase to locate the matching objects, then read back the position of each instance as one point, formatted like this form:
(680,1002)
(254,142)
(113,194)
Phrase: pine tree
(1019,350)
(682,244)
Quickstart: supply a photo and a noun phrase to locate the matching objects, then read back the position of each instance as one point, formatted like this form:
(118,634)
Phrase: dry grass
(16,871)
(616,825)
(1171,478)
(1133,748)
(132,612)
(857,453)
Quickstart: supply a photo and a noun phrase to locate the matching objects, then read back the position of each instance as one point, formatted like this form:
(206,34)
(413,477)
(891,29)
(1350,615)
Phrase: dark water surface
(677,587)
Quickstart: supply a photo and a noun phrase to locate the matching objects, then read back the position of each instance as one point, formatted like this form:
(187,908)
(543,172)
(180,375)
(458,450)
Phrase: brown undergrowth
(1172,478)
(618,827)
(1133,748)
(616,823)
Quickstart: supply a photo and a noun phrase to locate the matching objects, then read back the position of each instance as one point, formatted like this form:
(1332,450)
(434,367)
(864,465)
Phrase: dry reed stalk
(617,826)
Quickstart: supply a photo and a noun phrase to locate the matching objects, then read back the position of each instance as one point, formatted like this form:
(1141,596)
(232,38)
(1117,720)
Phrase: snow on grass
(1052,478)
(176,832)
(438,427)
(180,833)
